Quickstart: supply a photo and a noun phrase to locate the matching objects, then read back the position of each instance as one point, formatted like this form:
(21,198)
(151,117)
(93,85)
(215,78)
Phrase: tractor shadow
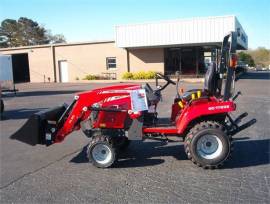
(21,113)
(140,154)
(247,153)
(149,153)
(260,75)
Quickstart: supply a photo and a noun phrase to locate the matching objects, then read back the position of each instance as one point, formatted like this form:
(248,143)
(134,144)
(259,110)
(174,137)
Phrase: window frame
(108,63)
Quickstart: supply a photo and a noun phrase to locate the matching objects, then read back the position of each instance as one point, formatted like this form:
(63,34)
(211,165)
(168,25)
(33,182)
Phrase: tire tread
(193,131)
(97,139)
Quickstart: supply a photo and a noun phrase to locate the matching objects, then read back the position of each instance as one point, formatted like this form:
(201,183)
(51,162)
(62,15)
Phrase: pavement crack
(39,169)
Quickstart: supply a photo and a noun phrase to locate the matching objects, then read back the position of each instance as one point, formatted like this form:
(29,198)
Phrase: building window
(111,62)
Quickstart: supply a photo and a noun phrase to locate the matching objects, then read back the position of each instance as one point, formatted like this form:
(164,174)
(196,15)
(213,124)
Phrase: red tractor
(115,115)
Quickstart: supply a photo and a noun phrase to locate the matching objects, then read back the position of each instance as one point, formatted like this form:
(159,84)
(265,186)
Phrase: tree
(261,56)
(246,58)
(25,32)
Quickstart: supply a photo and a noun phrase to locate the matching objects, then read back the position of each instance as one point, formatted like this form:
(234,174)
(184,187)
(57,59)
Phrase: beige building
(185,45)
(72,61)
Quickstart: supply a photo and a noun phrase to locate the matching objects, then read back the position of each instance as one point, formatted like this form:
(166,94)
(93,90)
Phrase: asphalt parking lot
(149,172)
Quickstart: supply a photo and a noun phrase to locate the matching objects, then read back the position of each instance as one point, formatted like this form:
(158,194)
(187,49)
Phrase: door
(172,60)
(63,71)
(188,61)
(20,66)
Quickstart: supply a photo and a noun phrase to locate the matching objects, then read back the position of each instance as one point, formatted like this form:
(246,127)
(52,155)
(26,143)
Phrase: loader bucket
(34,131)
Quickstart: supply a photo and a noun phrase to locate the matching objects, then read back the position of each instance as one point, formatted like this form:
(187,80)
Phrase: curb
(189,80)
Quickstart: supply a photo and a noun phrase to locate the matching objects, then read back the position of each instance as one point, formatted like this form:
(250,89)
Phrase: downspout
(197,61)
(128,60)
(180,59)
(54,63)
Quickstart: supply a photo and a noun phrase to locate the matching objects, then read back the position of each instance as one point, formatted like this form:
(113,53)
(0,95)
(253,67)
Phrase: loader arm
(82,109)
(53,125)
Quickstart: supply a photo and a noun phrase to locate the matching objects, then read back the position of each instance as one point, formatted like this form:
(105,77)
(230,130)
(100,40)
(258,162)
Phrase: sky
(87,20)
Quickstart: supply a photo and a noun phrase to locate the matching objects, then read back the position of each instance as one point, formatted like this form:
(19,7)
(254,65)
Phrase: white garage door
(63,66)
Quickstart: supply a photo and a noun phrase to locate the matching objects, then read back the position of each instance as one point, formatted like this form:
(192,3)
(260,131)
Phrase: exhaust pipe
(41,127)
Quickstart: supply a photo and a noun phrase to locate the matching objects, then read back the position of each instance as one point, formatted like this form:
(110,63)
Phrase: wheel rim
(102,154)
(209,147)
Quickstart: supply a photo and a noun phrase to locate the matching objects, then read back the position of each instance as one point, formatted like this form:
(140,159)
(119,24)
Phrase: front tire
(101,151)
(207,145)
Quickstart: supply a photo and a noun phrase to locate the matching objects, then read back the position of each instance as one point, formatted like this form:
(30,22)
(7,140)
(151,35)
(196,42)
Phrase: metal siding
(242,39)
(176,32)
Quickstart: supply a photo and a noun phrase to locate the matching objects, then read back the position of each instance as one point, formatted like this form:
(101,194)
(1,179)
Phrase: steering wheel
(166,78)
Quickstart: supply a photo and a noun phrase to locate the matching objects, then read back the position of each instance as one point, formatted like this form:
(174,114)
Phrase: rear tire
(101,151)
(207,145)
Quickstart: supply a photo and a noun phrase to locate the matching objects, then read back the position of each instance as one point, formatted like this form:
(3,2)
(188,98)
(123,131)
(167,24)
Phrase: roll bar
(228,51)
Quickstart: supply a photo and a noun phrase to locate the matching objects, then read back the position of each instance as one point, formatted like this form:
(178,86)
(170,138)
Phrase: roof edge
(57,45)
(173,20)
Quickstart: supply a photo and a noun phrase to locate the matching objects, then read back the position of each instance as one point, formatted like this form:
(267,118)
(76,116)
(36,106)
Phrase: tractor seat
(192,94)
(210,85)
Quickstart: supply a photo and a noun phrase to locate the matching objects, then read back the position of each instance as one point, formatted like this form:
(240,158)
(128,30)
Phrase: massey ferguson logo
(218,107)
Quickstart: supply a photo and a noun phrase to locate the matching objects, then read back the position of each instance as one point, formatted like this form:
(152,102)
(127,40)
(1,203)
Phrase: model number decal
(218,107)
